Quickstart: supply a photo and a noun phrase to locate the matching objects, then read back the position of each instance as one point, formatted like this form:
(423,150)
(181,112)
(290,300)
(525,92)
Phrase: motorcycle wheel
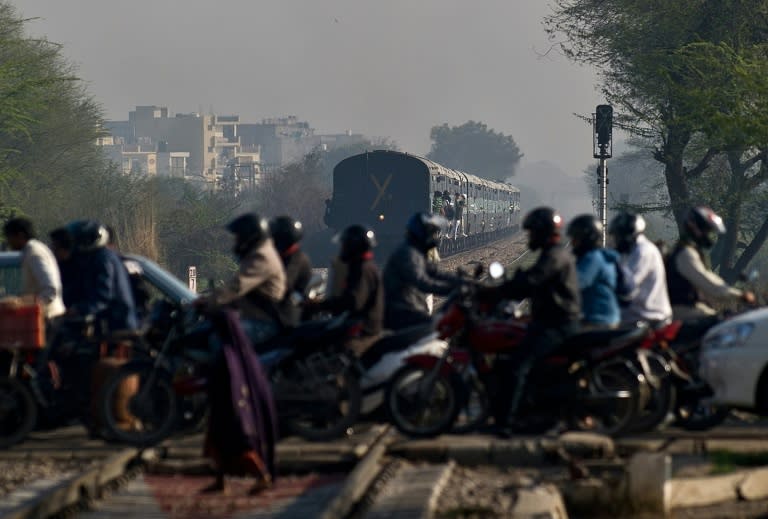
(475,409)
(700,416)
(145,417)
(323,421)
(661,404)
(609,415)
(421,417)
(18,412)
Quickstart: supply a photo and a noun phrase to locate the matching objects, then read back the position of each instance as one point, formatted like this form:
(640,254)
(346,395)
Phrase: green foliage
(691,78)
(475,149)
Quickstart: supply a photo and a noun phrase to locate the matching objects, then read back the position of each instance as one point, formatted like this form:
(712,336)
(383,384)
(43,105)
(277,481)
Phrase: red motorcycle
(590,382)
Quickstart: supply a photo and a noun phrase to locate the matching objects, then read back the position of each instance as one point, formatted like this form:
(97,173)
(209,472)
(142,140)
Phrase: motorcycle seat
(606,340)
(393,342)
(694,329)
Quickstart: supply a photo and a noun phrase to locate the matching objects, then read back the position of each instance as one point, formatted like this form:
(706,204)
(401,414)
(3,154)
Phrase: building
(282,140)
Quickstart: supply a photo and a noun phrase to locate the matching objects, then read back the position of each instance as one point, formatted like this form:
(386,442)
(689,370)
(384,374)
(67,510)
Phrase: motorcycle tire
(608,415)
(147,416)
(346,411)
(18,412)
(661,405)
(700,417)
(418,417)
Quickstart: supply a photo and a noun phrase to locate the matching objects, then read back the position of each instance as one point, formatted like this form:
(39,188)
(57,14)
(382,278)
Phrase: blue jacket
(597,281)
(104,289)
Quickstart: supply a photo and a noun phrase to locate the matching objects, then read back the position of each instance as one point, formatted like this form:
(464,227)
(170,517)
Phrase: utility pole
(602,146)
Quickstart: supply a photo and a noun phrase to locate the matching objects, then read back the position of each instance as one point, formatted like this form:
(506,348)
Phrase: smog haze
(386,69)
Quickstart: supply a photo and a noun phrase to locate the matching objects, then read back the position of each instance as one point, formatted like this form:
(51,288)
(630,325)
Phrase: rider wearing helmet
(361,292)
(553,288)
(645,262)
(103,288)
(286,234)
(597,273)
(408,277)
(259,285)
(689,280)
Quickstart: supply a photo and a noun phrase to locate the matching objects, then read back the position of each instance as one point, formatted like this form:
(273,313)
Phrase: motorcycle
(386,356)
(44,392)
(315,382)
(586,382)
(670,364)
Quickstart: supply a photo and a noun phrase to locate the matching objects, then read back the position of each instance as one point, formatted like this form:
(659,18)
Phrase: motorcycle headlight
(730,336)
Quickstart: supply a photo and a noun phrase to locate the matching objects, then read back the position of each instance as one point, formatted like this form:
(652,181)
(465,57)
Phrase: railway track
(374,473)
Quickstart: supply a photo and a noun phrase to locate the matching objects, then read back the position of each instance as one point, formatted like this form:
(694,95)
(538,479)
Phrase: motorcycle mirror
(496,270)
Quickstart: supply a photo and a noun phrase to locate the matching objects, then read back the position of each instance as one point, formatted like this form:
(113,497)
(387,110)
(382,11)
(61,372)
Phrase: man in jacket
(103,286)
(39,271)
(553,288)
(690,282)
(644,260)
(360,292)
(259,285)
(408,277)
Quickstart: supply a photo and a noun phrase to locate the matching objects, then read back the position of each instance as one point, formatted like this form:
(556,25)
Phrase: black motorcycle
(315,382)
(50,387)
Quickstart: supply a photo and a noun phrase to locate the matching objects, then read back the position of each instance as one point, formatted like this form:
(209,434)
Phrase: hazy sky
(389,68)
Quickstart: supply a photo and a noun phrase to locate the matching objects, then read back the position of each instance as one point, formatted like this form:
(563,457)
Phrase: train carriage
(383,188)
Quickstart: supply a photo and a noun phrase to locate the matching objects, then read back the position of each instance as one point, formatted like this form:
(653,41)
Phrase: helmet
(87,235)
(625,227)
(543,225)
(424,230)
(703,226)
(355,241)
(249,230)
(585,230)
(285,232)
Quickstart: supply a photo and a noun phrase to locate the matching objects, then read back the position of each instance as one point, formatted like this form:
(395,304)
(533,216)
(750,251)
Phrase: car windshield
(168,284)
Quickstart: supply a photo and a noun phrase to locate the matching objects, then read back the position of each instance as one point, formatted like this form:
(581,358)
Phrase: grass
(726,461)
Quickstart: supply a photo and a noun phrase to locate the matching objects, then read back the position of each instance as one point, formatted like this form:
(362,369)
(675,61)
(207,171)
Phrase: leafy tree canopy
(475,149)
(691,78)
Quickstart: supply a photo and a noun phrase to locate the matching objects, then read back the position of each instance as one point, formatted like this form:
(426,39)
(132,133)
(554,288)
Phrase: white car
(734,361)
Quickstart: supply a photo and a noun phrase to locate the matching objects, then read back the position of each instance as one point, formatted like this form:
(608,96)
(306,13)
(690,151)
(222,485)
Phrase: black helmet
(586,231)
(543,225)
(285,232)
(703,226)
(625,227)
(87,235)
(355,241)
(424,230)
(249,230)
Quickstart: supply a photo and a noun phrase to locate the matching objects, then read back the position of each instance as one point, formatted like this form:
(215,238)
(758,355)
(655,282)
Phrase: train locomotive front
(383,188)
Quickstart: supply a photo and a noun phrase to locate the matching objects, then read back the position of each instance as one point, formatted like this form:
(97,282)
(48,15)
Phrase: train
(383,188)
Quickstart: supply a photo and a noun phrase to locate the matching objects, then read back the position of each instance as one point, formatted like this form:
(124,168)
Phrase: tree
(691,78)
(475,149)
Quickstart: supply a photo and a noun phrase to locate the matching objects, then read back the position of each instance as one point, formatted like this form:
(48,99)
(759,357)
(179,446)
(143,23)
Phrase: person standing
(39,271)
(458,216)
